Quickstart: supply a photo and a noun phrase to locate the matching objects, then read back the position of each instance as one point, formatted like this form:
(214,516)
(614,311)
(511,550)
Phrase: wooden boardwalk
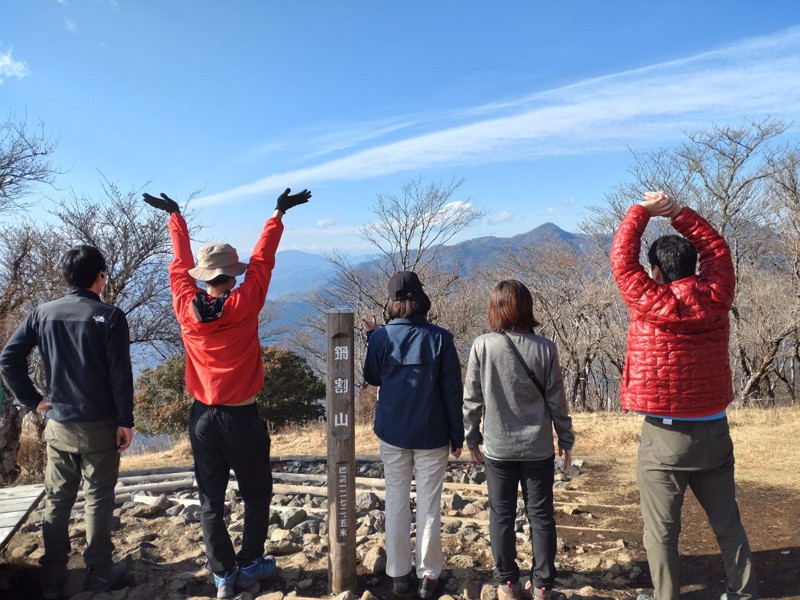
(16,503)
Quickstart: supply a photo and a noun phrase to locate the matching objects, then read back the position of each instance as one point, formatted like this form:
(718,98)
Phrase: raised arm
(183,286)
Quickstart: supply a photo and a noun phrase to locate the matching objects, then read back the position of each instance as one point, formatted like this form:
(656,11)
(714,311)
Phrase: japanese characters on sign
(341,503)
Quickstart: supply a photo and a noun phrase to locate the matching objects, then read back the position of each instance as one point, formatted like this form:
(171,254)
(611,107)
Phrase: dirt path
(600,510)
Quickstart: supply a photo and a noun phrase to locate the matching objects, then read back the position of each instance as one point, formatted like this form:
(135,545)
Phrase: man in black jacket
(85,347)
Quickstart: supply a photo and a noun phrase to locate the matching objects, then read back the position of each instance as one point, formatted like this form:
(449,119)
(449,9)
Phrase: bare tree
(745,184)
(135,242)
(409,233)
(25,160)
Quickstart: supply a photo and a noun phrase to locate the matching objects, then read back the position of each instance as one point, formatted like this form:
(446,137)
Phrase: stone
(457,503)
(367,595)
(366,501)
(191,514)
(161,501)
(462,561)
(452,527)
(304,584)
(488,591)
(145,511)
(375,560)
(278,535)
(293,517)
(347,596)
(271,596)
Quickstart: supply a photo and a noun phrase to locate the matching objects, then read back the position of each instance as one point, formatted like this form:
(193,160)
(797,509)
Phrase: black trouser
(225,438)
(503,479)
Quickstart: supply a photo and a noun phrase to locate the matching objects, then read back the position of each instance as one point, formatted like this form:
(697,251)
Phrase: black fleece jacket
(85,347)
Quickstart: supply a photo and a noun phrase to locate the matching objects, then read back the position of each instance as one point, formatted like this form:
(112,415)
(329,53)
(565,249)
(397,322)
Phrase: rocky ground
(599,554)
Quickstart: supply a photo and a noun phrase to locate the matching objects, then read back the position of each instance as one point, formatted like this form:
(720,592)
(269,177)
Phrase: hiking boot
(226,583)
(544,593)
(426,587)
(649,597)
(509,591)
(102,581)
(402,585)
(261,568)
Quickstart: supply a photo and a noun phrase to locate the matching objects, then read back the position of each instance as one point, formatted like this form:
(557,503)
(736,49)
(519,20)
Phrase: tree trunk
(10,428)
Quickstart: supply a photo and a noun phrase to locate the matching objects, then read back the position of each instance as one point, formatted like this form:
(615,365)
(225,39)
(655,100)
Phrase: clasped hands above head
(660,204)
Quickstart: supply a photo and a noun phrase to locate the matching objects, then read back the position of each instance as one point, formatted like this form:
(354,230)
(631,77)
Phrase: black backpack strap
(530,373)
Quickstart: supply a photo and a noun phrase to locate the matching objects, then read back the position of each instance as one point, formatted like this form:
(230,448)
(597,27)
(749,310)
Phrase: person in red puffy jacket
(677,374)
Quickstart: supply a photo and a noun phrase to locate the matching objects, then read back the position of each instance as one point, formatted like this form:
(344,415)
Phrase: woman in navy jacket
(418,421)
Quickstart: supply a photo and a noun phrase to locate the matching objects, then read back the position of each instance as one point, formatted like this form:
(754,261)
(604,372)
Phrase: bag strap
(530,373)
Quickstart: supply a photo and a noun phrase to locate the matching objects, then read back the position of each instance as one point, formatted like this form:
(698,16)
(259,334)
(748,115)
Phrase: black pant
(225,438)
(503,479)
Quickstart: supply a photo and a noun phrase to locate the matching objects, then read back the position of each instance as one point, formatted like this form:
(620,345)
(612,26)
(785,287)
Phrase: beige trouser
(79,450)
(697,454)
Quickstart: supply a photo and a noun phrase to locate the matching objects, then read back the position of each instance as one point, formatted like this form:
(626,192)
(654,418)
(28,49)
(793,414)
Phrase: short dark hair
(220,279)
(418,306)
(674,255)
(511,307)
(81,265)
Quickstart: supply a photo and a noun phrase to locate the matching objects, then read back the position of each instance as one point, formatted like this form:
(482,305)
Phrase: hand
(124,438)
(477,455)
(456,453)
(370,324)
(567,454)
(44,405)
(285,201)
(164,203)
(660,204)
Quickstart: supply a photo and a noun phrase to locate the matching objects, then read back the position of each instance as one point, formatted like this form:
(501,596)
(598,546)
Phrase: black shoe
(402,585)
(101,581)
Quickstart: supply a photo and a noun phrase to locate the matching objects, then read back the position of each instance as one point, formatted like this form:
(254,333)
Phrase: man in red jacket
(224,373)
(677,373)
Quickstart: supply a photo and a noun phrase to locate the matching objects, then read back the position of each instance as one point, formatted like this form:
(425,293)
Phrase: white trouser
(429,467)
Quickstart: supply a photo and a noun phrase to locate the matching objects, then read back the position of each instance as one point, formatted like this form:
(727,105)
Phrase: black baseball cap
(404,285)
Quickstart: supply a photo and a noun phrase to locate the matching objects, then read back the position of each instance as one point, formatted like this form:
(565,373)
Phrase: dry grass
(765,441)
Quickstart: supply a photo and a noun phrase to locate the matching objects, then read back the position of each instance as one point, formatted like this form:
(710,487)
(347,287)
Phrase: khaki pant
(697,454)
(78,451)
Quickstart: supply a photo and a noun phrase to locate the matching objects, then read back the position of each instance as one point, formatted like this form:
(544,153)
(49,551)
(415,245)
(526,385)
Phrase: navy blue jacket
(416,366)
(85,348)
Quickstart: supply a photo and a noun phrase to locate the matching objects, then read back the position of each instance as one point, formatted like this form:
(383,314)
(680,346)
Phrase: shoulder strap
(530,373)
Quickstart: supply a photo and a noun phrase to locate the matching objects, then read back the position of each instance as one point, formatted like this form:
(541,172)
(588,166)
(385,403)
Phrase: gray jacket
(518,422)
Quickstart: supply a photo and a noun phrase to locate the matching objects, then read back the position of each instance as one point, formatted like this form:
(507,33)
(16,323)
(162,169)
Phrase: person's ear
(655,273)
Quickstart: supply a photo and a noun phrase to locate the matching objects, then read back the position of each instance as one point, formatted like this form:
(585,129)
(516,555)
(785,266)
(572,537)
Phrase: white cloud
(501,217)
(12,68)
(325,223)
(641,107)
(71,25)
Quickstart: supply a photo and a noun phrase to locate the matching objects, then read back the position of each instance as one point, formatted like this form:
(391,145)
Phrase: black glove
(285,201)
(166,204)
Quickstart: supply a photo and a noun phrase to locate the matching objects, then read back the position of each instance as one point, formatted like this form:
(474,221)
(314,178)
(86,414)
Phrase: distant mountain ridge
(298,273)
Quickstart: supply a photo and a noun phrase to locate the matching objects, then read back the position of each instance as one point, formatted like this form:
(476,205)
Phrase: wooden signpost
(341,454)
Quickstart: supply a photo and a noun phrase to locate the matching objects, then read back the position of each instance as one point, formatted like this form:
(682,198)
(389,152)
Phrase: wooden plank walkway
(16,503)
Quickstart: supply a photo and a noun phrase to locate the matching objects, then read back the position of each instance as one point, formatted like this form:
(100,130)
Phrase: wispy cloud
(325,223)
(646,106)
(71,25)
(12,68)
(501,217)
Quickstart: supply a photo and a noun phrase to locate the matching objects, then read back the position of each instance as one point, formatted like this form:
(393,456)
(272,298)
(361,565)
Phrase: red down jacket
(677,363)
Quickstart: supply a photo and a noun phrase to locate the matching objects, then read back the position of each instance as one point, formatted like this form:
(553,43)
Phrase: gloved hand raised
(285,201)
(164,203)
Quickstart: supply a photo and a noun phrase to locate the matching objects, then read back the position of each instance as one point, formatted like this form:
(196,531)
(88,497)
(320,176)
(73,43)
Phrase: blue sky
(533,104)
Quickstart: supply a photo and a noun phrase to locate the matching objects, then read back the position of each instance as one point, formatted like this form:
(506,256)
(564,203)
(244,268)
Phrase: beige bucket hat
(217,259)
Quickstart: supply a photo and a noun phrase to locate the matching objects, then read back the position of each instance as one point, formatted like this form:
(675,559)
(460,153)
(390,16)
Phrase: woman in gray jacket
(514,380)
